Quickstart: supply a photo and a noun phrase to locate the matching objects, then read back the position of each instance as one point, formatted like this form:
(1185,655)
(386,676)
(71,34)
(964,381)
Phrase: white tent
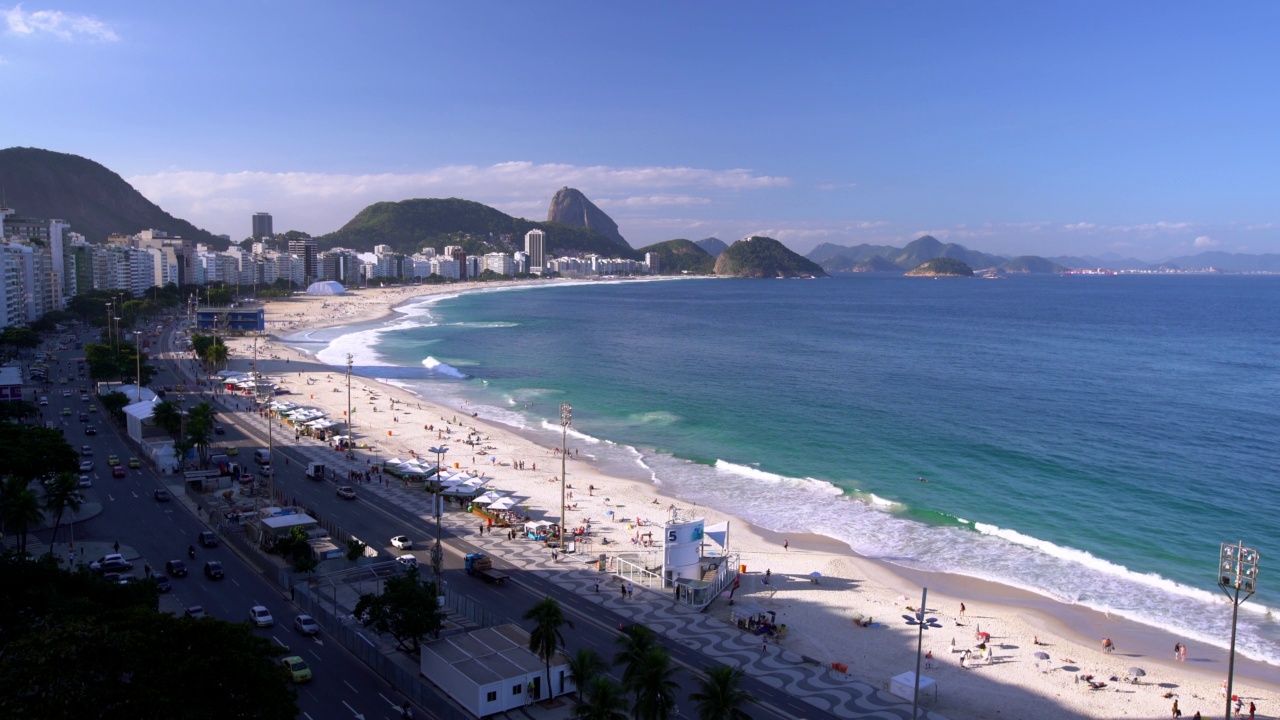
(326,287)
(505,503)
(490,497)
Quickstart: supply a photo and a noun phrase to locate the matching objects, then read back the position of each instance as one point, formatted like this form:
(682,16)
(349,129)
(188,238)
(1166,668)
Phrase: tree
(635,641)
(19,509)
(167,416)
(584,667)
(720,696)
(115,402)
(406,609)
(59,495)
(200,428)
(355,549)
(17,410)
(30,451)
(217,355)
(546,637)
(652,685)
(602,699)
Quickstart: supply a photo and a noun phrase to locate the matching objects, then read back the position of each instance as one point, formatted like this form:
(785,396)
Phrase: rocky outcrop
(764,257)
(570,207)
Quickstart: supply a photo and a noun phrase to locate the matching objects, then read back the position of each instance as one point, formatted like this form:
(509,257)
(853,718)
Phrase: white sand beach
(818,615)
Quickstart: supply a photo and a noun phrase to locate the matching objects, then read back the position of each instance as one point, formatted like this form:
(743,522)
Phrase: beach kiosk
(693,575)
(904,686)
(491,670)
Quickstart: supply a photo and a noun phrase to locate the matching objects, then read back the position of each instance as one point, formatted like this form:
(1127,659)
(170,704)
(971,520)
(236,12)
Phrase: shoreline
(875,587)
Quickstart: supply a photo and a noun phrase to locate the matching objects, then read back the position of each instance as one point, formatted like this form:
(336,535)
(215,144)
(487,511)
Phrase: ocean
(1091,439)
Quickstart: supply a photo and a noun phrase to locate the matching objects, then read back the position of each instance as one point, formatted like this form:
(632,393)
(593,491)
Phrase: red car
(117,471)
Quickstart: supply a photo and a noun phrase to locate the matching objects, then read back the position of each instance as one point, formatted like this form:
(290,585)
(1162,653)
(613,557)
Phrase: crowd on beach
(1005,661)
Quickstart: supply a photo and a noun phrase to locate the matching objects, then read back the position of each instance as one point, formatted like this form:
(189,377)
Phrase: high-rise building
(262,226)
(535,246)
(307,250)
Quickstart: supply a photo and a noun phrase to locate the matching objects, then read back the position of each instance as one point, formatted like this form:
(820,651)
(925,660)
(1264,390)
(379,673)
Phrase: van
(262,456)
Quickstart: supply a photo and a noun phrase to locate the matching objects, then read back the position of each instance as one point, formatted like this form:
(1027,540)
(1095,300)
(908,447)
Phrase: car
(66,393)
(92,408)
(176,568)
(409,562)
(66,411)
(208,539)
(195,611)
(86,481)
(115,566)
(305,625)
(85,451)
(219,430)
(133,462)
(112,578)
(162,582)
(347,492)
(233,450)
(260,616)
(402,542)
(117,472)
(265,471)
(84,397)
(161,495)
(97,564)
(127,579)
(44,401)
(86,466)
(213,570)
(113,460)
(84,417)
(90,430)
(297,668)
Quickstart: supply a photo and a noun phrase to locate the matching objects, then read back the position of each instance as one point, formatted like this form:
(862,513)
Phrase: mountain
(713,246)
(941,267)
(1030,264)
(570,207)
(1110,261)
(96,201)
(927,248)
(854,254)
(679,257)
(1233,262)
(410,225)
(877,264)
(764,257)
(839,258)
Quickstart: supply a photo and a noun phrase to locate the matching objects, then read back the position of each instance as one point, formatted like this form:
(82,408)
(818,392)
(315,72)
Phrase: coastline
(818,615)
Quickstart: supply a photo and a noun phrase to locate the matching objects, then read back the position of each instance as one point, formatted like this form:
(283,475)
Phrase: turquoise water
(1092,439)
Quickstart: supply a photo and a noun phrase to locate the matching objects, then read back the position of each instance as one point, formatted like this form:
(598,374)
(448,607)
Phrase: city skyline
(1142,130)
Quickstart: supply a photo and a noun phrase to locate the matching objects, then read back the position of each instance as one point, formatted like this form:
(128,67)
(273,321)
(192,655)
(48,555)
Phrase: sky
(1135,129)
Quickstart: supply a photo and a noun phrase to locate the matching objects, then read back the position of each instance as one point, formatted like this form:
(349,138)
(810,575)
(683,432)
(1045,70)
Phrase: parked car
(176,568)
(195,611)
(161,495)
(117,472)
(213,570)
(208,539)
(346,492)
(402,542)
(305,625)
(96,564)
(261,616)
(115,566)
(162,582)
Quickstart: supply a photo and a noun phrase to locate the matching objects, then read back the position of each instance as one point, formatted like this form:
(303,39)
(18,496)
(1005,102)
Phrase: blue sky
(1139,128)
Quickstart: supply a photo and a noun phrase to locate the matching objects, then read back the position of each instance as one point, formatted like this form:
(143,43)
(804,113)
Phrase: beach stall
(904,686)
(539,530)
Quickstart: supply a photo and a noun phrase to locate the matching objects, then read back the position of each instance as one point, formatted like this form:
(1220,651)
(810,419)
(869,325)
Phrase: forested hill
(96,201)
(679,257)
(764,257)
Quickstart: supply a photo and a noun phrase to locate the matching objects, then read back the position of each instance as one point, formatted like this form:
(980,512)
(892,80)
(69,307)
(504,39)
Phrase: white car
(261,617)
(402,542)
(44,401)
(408,561)
(105,558)
(66,393)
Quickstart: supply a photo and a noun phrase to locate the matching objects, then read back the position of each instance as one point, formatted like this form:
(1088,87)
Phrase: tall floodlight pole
(351,437)
(437,552)
(1237,575)
(922,622)
(108,323)
(566,417)
(137,356)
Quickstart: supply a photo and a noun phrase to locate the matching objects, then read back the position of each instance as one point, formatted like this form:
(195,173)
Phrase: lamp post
(108,323)
(1237,574)
(437,552)
(566,417)
(351,434)
(922,622)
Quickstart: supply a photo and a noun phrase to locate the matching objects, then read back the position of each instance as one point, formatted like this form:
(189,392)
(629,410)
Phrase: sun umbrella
(984,635)
(815,574)
(1137,672)
(1042,656)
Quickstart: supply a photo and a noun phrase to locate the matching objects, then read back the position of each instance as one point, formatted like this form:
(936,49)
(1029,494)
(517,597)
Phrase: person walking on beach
(786,545)
(1176,712)
(1183,655)
(961,609)
(1177,653)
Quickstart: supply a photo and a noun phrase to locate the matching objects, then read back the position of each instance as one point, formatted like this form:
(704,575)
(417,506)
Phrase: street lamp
(1237,573)
(922,622)
(351,436)
(437,552)
(108,323)
(566,417)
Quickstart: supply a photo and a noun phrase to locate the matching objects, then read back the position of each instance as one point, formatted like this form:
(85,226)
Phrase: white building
(491,670)
(499,263)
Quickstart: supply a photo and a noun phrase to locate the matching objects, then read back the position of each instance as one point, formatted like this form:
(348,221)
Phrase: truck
(480,565)
(315,471)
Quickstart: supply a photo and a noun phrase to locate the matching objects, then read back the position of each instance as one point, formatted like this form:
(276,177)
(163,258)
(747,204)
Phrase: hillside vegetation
(941,267)
(764,257)
(681,257)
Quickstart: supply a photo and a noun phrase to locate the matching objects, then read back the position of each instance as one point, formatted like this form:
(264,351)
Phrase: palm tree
(217,355)
(720,696)
(652,685)
(19,509)
(168,417)
(62,493)
(546,635)
(584,667)
(602,700)
(636,640)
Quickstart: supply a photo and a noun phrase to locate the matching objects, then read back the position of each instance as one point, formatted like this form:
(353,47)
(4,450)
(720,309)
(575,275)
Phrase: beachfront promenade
(576,578)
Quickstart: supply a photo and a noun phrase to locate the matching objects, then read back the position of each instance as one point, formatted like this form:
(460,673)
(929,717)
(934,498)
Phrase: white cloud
(1204,241)
(65,26)
(319,202)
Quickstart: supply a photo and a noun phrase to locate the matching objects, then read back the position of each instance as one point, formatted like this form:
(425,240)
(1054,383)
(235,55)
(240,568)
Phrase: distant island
(941,267)
(764,257)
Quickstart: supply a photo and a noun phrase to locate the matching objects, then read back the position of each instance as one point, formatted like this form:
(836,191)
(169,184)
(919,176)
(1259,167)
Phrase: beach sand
(818,615)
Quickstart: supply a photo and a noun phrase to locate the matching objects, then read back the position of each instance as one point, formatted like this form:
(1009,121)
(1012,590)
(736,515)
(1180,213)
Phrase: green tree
(167,416)
(200,423)
(720,695)
(19,509)
(217,355)
(634,642)
(19,338)
(602,699)
(17,410)
(219,297)
(355,549)
(406,609)
(546,637)
(59,496)
(30,451)
(584,667)
(115,402)
(652,685)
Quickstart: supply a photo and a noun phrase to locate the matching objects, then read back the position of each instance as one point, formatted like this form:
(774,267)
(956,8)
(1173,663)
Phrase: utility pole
(351,432)
(566,417)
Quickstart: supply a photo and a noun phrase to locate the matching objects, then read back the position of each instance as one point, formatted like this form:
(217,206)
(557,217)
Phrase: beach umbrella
(984,635)
(815,574)
(1042,656)
(1137,672)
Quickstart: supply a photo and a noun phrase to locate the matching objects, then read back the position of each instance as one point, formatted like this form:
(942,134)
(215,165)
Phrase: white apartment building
(499,263)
